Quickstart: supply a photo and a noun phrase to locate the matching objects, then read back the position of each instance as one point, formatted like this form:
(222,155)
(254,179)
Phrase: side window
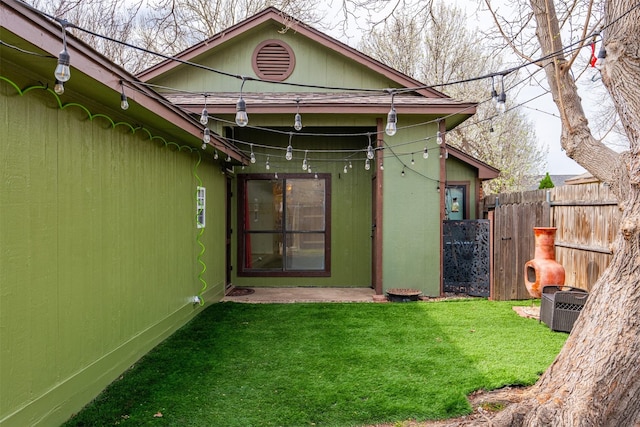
(201,206)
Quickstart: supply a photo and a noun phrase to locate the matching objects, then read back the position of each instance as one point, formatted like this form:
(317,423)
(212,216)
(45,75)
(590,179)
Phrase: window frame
(242,232)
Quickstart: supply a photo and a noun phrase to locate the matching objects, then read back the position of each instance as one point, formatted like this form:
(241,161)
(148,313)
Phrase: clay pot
(543,269)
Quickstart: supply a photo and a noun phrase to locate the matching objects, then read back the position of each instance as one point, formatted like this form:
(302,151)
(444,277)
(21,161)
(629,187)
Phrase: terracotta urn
(543,269)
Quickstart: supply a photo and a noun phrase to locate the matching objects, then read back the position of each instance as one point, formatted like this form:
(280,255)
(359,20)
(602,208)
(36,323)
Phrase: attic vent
(273,60)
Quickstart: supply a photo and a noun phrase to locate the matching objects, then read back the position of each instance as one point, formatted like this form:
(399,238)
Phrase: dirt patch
(485,404)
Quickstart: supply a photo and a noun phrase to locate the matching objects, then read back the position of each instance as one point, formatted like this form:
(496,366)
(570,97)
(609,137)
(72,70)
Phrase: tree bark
(595,380)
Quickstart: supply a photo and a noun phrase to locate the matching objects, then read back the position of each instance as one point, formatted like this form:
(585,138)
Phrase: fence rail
(586,217)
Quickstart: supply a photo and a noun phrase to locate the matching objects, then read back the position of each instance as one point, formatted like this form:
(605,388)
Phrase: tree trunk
(595,380)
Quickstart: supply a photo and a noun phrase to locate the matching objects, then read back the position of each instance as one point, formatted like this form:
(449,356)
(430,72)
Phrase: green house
(117,227)
(334,200)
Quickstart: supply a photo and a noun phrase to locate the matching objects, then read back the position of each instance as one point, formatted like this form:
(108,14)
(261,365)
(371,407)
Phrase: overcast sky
(542,112)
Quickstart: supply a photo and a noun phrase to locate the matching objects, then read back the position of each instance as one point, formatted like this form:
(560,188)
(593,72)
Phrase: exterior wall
(314,64)
(411,215)
(460,172)
(350,204)
(99,254)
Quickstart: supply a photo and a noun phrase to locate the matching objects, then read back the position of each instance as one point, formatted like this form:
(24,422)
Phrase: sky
(542,112)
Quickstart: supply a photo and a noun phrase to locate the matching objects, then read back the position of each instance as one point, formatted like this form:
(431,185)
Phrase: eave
(94,77)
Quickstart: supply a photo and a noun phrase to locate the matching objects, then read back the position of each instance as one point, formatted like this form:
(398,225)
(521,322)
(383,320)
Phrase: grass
(327,365)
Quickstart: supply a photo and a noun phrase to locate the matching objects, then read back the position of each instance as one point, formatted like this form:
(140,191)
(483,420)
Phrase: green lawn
(327,365)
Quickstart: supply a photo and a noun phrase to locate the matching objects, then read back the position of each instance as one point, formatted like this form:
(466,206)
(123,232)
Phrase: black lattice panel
(466,257)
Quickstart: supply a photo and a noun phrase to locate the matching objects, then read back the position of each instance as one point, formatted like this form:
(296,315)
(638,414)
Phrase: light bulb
(370,152)
(289,154)
(413,162)
(124,103)
(316,175)
(267,165)
(207,136)
(204,146)
(501,105)
(602,54)
(275,175)
(241,113)
(350,165)
(346,169)
(253,157)
(402,174)
(439,137)
(204,118)
(304,165)
(297,122)
(392,119)
(63,72)
(381,166)
(215,155)
(228,159)
(367,164)
(425,153)
(59,87)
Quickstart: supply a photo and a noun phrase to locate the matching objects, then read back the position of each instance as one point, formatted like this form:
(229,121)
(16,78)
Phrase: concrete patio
(301,294)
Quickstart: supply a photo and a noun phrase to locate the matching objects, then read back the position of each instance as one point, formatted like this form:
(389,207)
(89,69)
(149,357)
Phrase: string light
(241,109)
(305,166)
(205,140)
(381,166)
(425,153)
(413,162)
(346,168)
(602,55)
(369,149)
(215,155)
(439,138)
(297,121)
(392,119)
(367,164)
(124,104)
(63,71)
(58,88)
(267,165)
(494,93)
(204,117)
(402,174)
(289,154)
(502,98)
(253,156)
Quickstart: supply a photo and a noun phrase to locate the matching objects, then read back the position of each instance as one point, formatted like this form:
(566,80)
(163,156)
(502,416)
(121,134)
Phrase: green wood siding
(315,64)
(350,203)
(99,254)
(411,216)
(458,171)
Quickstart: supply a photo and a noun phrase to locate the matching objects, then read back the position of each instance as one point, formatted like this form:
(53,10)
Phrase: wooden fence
(586,216)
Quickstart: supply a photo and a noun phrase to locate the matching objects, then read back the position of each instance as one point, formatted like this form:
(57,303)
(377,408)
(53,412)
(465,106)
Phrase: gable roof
(290,23)
(94,77)
(485,172)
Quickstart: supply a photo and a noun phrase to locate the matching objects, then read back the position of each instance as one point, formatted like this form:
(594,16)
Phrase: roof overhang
(94,79)
(485,172)
(451,111)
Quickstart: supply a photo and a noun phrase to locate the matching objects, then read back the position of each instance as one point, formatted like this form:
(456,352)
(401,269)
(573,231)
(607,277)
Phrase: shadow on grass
(326,365)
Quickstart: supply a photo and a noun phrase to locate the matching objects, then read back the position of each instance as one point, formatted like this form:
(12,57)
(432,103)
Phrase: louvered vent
(273,60)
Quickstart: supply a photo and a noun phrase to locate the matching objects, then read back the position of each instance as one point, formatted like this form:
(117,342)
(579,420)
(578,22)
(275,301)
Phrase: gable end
(273,60)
